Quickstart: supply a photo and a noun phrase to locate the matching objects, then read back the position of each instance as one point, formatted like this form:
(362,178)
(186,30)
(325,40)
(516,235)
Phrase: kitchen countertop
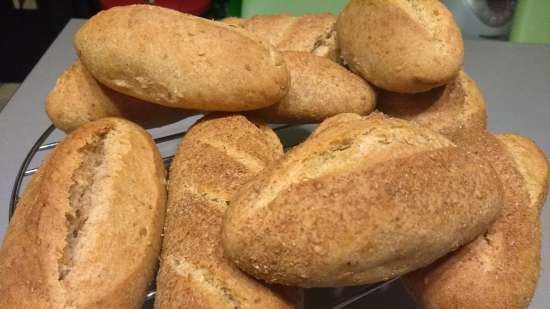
(515,80)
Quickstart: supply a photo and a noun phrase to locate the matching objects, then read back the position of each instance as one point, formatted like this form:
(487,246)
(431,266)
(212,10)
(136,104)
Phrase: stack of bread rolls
(418,189)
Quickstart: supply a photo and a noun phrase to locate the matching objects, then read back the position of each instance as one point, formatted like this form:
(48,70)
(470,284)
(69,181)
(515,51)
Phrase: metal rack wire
(40,146)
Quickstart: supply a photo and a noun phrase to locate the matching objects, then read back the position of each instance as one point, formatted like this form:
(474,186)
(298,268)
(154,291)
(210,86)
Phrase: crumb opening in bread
(80,201)
(326,45)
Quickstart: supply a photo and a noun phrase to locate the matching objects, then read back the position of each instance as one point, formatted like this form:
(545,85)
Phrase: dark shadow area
(291,136)
(390,296)
(26,34)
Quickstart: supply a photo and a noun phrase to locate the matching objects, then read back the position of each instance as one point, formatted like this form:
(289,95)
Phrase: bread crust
(319,89)
(454,110)
(77,98)
(216,157)
(500,269)
(310,33)
(233,21)
(361,201)
(174,59)
(398,45)
(532,164)
(71,243)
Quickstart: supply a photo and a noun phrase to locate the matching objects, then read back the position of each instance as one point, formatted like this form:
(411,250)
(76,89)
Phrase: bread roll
(215,158)
(454,110)
(319,88)
(400,45)
(77,98)
(174,59)
(311,33)
(360,201)
(87,230)
(499,270)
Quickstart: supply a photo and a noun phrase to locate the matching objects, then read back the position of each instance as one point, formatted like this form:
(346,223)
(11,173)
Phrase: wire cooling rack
(315,298)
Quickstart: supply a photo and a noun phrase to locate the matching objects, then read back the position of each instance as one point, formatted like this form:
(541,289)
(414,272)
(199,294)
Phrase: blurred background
(27,27)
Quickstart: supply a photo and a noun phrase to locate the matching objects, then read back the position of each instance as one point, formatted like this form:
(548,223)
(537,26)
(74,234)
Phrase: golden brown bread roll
(311,33)
(319,88)
(77,98)
(400,45)
(498,270)
(216,157)
(454,110)
(360,201)
(87,230)
(174,59)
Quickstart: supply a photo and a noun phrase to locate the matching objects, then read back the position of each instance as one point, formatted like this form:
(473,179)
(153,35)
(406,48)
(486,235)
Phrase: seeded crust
(360,201)
(77,98)
(500,269)
(454,110)
(310,33)
(405,46)
(174,59)
(319,89)
(71,243)
(216,157)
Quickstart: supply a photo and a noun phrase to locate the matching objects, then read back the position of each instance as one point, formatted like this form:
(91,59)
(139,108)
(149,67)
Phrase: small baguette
(87,231)
(500,269)
(311,33)
(319,89)
(77,98)
(174,59)
(361,201)
(216,157)
(454,110)
(400,45)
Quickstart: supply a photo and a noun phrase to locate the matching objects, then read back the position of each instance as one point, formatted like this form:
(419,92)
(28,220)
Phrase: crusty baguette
(400,45)
(499,270)
(311,33)
(215,158)
(174,59)
(87,231)
(77,98)
(319,89)
(360,201)
(454,110)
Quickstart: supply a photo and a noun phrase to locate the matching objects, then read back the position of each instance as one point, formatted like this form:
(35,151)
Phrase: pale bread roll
(454,110)
(216,157)
(360,201)
(174,59)
(400,45)
(319,89)
(311,33)
(500,269)
(77,98)
(87,230)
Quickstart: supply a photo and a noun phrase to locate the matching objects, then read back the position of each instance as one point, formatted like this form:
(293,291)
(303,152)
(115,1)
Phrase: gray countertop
(515,80)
